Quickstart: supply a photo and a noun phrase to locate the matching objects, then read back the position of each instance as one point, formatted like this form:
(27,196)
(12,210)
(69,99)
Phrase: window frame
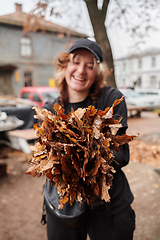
(26,47)
(153,62)
(28,80)
(140,63)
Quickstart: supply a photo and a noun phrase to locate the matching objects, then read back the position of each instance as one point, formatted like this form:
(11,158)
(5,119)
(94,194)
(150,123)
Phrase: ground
(22,197)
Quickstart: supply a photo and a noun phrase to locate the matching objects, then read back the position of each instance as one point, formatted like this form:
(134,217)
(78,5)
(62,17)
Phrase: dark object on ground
(3,168)
(157,170)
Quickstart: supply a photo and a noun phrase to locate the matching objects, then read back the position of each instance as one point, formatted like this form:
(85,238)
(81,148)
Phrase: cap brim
(94,53)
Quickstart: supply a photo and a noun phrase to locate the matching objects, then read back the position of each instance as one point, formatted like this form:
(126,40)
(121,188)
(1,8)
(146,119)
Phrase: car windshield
(50,96)
(132,94)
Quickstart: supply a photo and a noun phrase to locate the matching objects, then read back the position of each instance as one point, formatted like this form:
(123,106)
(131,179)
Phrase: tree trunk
(100,34)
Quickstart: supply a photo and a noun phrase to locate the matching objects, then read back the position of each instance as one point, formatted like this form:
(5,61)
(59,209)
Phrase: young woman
(81,80)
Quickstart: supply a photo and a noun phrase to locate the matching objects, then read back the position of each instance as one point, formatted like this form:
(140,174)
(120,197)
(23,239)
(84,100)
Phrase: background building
(26,57)
(139,71)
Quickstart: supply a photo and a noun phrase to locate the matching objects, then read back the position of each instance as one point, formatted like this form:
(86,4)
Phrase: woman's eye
(90,66)
(75,62)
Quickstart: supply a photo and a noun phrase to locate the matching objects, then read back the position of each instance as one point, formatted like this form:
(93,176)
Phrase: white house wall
(127,71)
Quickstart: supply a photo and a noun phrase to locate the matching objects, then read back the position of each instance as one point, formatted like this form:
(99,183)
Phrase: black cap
(92,46)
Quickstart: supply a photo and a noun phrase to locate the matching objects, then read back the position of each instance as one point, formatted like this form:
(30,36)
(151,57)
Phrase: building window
(140,63)
(139,82)
(26,47)
(153,64)
(124,82)
(153,81)
(124,66)
(28,79)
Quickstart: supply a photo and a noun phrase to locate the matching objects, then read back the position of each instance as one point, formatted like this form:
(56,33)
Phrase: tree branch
(104,9)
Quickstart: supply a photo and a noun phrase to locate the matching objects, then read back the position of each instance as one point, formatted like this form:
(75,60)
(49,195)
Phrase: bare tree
(136,16)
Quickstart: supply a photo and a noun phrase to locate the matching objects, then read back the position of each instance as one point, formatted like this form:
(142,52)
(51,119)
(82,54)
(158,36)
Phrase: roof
(18,18)
(147,52)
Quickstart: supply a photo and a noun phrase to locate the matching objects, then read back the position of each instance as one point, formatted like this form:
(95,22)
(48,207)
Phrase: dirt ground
(21,195)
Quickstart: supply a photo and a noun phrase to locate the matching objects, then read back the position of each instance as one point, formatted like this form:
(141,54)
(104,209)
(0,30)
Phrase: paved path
(145,182)
(148,123)
(145,185)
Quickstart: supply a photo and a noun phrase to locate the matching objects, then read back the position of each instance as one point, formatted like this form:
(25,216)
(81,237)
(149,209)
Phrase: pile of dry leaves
(144,152)
(75,151)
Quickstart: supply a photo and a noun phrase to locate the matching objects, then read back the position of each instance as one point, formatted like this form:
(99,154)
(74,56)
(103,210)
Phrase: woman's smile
(80,79)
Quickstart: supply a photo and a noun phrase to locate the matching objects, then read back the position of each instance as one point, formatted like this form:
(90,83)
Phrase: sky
(120,41)
(8,6)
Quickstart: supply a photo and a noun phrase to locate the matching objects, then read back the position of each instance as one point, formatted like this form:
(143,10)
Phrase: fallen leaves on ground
(144,152)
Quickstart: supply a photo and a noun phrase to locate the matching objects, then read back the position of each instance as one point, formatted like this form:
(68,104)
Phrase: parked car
(39,95)
(11,101)
(152,94)
(136,99)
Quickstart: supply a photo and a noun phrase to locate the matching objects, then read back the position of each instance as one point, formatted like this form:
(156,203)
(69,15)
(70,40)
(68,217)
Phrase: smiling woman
(80,76)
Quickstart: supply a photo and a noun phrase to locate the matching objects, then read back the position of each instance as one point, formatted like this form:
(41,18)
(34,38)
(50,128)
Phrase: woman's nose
(81,68)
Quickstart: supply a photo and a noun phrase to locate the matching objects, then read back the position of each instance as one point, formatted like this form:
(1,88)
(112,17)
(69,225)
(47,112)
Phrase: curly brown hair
(61,62)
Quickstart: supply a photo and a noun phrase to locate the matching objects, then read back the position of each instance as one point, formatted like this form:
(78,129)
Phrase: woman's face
(81,72)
